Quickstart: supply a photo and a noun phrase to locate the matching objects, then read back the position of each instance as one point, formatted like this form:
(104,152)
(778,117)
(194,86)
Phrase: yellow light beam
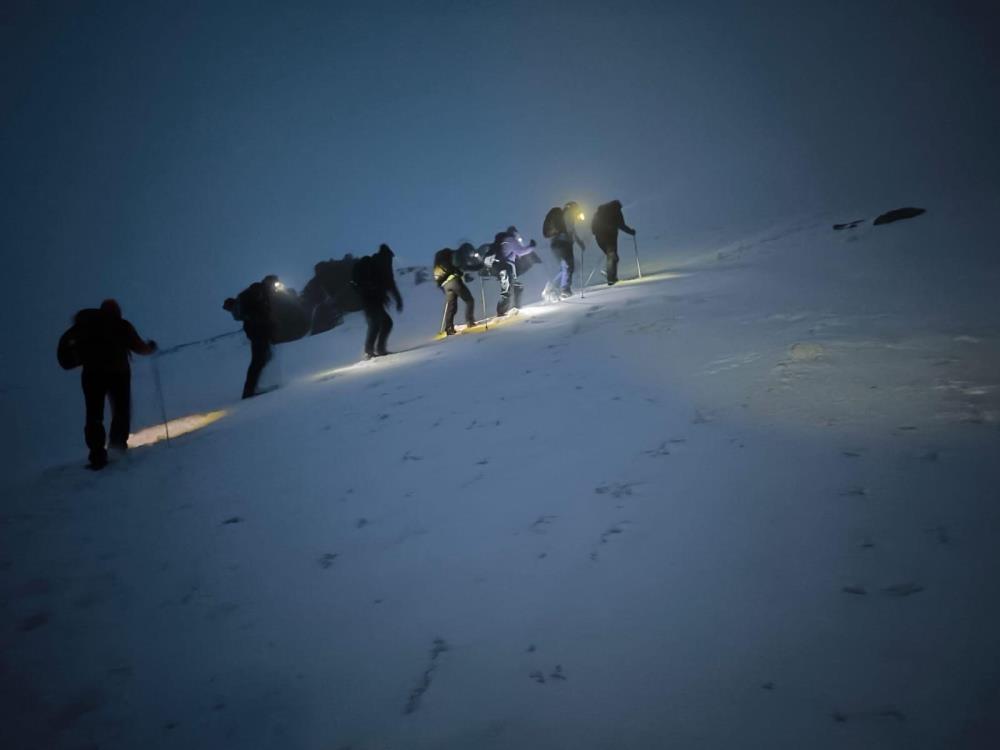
(176,428)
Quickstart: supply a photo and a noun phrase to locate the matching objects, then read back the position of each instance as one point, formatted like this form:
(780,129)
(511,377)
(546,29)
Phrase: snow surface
(749,501)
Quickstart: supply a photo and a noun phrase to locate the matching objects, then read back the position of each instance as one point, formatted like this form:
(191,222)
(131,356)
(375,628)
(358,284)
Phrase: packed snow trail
(675,514)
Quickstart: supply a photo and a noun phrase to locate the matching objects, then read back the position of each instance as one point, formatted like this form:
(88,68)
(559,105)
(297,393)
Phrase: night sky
(168,154)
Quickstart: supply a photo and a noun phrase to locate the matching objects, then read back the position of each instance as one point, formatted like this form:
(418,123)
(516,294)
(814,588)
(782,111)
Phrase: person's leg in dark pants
(260,353)
(95,390)
(470,303)
(609,246)
(120,399)
(450,306)
(373,317)
(384,329)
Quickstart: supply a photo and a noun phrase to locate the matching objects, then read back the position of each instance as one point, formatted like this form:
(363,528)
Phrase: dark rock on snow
(897,214)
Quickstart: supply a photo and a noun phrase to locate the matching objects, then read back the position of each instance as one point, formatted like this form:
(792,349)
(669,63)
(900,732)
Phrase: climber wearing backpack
(252,306)
(375,281)
(510,249)
(608,219)
(560,227)
(102,342)
(448,277)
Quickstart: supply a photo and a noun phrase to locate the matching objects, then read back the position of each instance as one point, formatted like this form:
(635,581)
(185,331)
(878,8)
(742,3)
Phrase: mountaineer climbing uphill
(509,252)
(375,281)
(559,227)
(448,277)
(607,221)
(101,341)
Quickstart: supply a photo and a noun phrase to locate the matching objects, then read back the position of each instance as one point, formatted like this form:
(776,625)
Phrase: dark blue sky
(169,153)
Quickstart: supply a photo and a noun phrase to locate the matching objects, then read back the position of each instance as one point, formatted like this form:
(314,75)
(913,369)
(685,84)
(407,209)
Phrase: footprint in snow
(556,674)
(660,450)
(616,489)
(902,589)
(613,531)
(327,560)
(540,524)
(890,712)
(855,492)
(438,647)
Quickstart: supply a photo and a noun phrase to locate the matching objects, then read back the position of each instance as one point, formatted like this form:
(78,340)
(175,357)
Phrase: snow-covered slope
(748,501)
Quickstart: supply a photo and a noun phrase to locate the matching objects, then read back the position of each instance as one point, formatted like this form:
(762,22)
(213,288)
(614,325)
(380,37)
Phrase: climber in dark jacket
(448,277)
(253,307)
(375,281)
(102,342)
(608,219)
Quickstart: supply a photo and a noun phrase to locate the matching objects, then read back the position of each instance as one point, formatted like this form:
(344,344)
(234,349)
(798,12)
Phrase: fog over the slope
(168,154)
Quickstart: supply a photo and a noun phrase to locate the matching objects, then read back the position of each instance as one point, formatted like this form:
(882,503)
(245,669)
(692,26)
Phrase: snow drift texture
(750,502)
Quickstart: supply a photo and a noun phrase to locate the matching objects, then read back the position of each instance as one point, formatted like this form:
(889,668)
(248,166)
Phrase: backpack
(252,304)
(554,223)
(364,275)
(67,352)
(444,266)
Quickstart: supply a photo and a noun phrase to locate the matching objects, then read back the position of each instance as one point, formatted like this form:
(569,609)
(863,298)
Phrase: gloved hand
(531,244)
(152,345)
(399,306)
(633,233)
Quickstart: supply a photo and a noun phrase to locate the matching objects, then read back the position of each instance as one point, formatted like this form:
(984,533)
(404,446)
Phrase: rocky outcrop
(898,214)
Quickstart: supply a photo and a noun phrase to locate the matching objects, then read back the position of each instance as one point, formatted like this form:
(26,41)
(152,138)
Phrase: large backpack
(68,353)
(555,223)
(252,304)
(364,275)
(444,265)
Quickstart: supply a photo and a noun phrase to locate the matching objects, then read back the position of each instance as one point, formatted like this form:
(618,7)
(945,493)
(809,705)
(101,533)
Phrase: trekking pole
(159,394)
(482,294)
(583,257)
(593,270)
(635,244)
(443,316)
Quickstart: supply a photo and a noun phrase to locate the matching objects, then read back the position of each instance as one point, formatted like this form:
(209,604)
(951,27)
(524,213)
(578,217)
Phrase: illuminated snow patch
(174,428)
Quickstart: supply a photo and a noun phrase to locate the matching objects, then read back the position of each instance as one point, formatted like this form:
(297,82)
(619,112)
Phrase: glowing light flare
(176,428)
(581,216)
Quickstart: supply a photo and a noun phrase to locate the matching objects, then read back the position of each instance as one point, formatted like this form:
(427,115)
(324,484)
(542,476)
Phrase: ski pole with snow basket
(635,244)
(159,394)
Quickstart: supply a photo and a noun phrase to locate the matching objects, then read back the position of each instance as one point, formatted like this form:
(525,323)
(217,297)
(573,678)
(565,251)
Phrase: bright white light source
(581,216)
(278,286)
(176,428)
